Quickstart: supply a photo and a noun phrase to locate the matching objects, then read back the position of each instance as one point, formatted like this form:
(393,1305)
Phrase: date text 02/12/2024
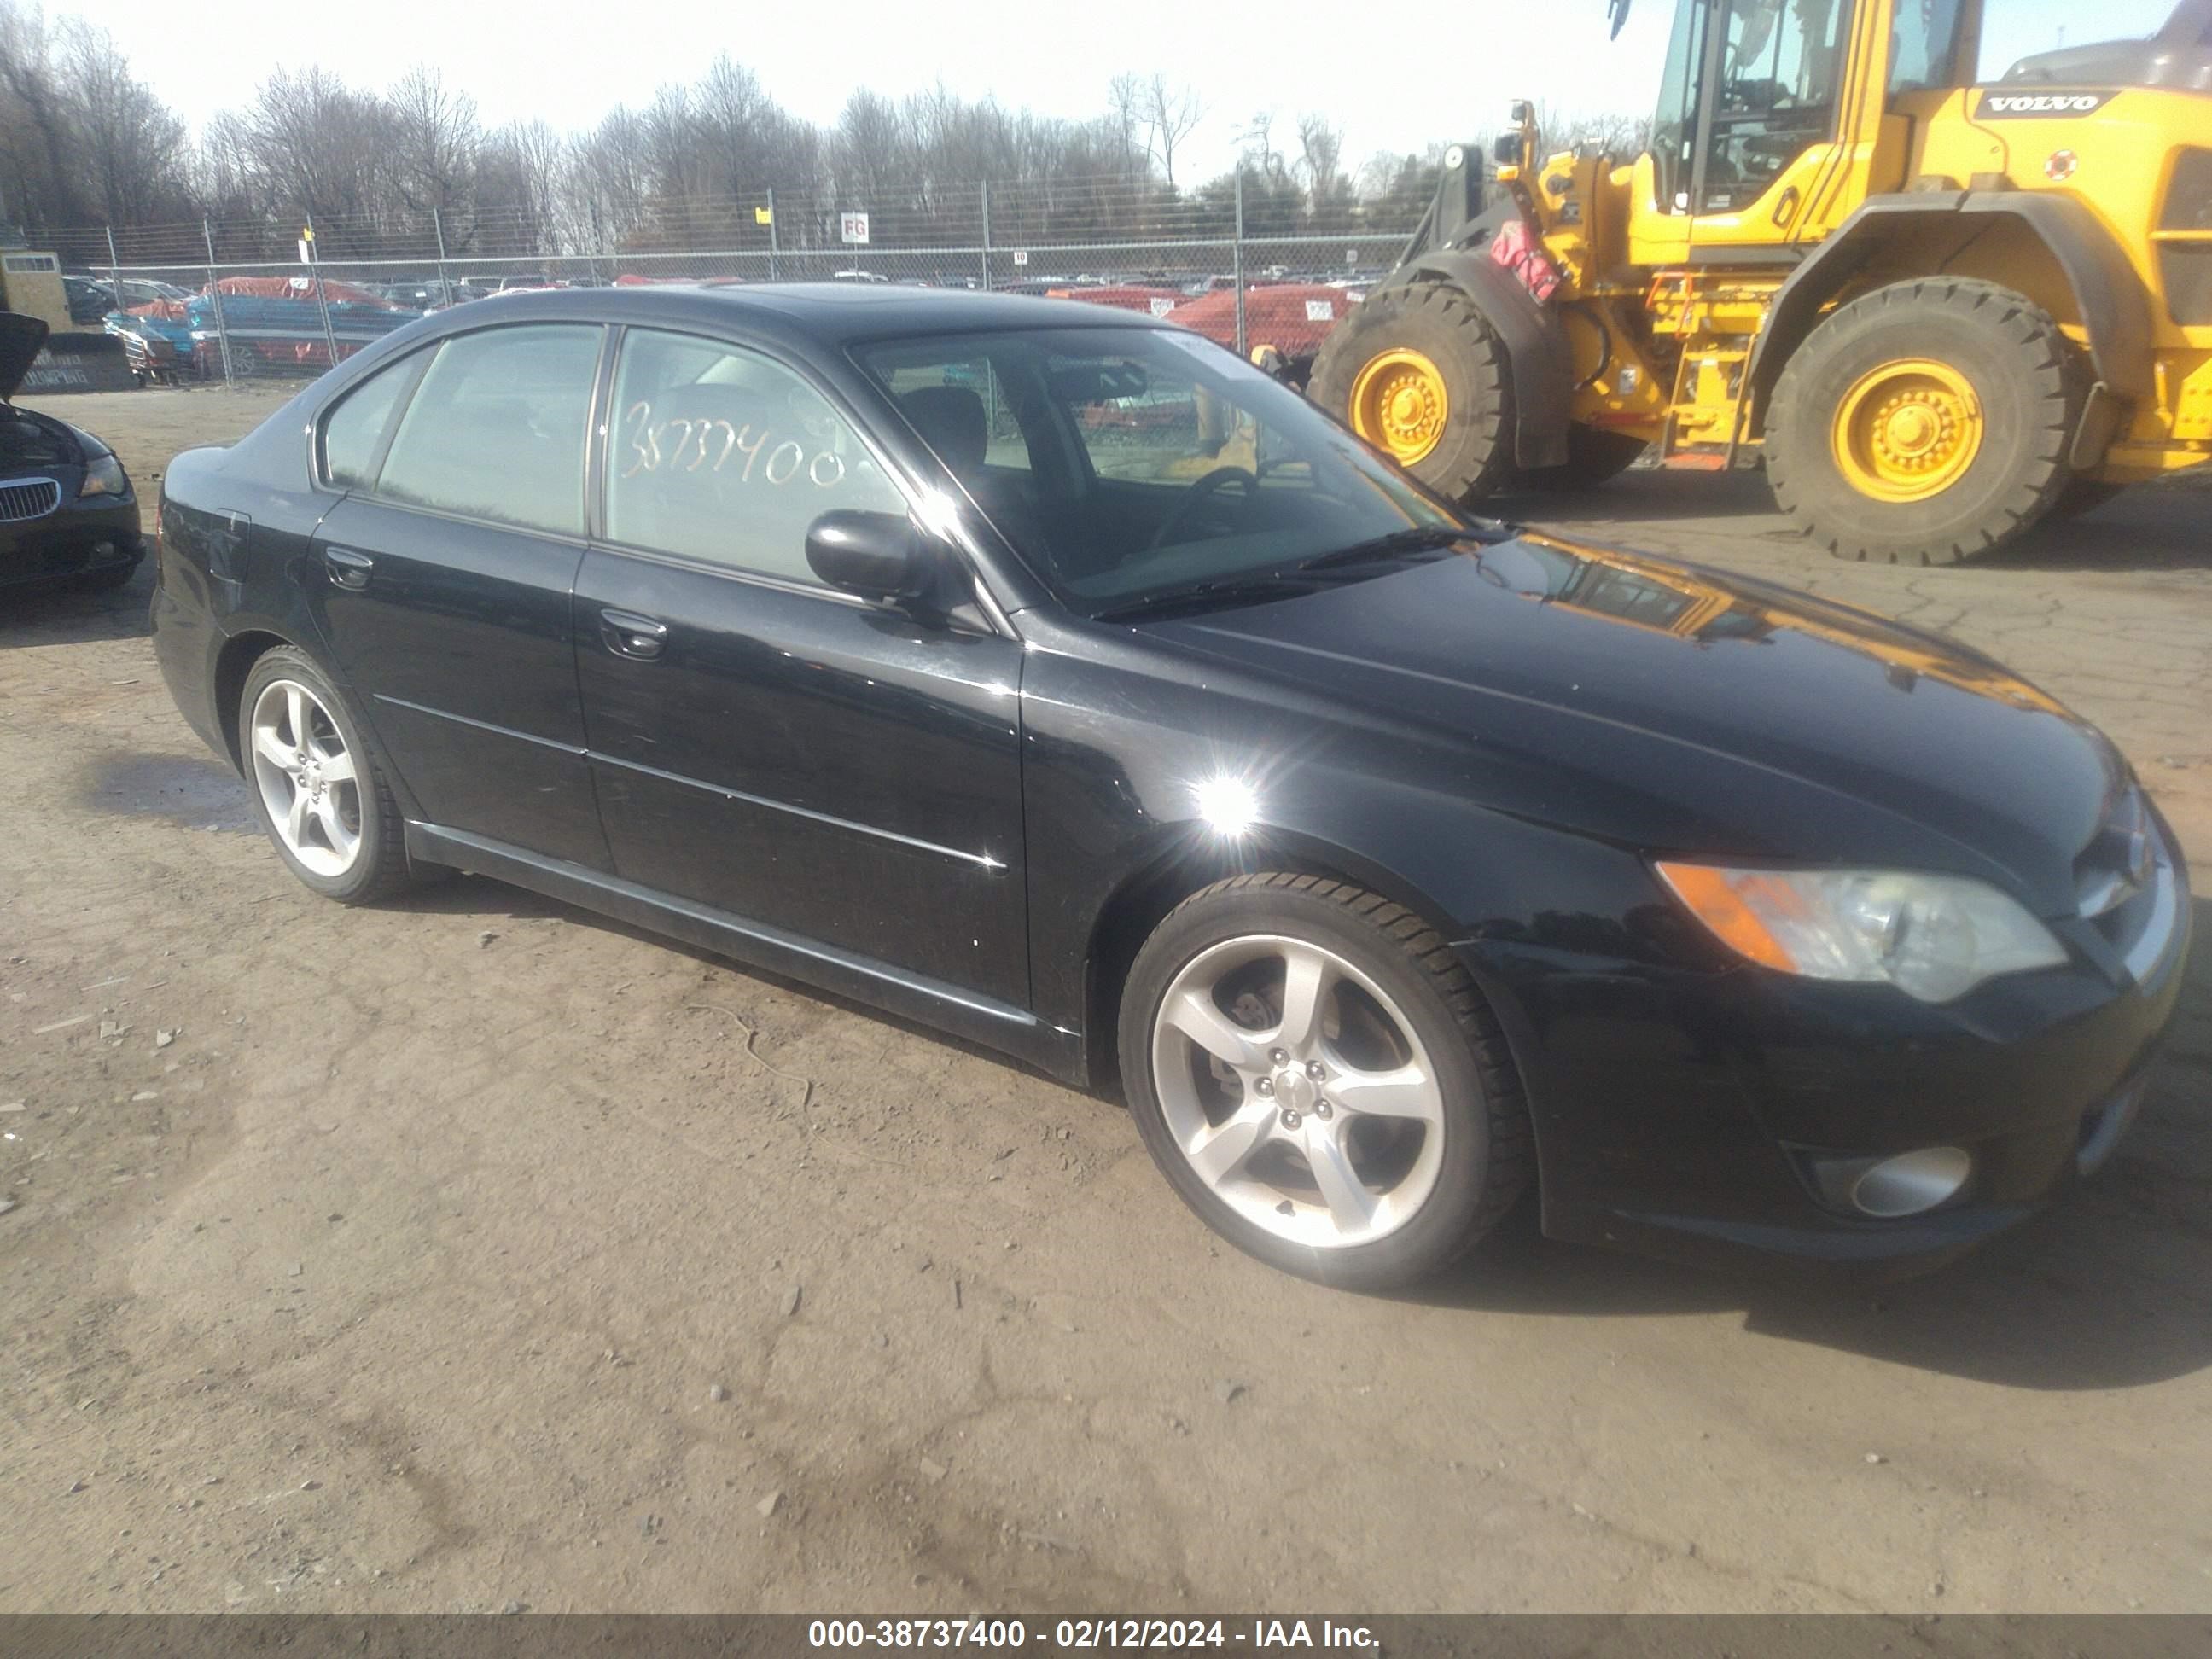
(1077,1634)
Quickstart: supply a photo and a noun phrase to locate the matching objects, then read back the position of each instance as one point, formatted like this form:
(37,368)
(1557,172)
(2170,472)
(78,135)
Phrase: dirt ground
(477,1253)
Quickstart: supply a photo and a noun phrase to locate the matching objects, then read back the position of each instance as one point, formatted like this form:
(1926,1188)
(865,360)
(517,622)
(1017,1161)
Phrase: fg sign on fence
(853,227)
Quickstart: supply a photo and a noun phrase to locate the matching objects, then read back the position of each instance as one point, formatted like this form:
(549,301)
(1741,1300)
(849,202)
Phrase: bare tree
(1172,115)
(1321,150)
(129,147)
(436,137)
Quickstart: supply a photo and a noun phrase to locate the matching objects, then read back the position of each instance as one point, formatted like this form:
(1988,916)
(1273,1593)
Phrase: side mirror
(877,555)
(1507,151)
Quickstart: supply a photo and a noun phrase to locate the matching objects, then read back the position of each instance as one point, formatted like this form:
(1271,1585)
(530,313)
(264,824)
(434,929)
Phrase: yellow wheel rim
(1907,431)
(1398,404)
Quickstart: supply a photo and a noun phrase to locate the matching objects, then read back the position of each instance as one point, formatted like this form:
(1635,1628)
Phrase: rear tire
(348,841)
(1924,423)
(1365,1133)
(1472,452)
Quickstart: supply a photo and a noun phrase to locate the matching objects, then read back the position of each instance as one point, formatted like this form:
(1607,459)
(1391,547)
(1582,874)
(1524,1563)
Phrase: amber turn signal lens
(1712,897)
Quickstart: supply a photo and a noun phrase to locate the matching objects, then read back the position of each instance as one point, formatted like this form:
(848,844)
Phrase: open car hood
(20,338)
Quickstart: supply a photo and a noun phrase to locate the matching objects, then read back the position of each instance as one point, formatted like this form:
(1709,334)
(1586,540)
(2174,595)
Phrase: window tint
(352,431)
(721,455)
(496,429)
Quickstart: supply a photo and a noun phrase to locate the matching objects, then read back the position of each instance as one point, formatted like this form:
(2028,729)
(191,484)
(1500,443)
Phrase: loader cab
(1758,138)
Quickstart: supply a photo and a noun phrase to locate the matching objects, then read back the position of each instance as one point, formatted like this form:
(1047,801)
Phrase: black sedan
(67,512)
(1050,675)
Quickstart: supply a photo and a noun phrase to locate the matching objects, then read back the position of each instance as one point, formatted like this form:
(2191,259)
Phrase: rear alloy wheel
(323,802)
(1317,1078)
(1419,374)
(1925,423)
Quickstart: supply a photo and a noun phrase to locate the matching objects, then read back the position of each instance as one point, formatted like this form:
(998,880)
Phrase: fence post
(114,272)
(215,295)
(985,188)
(771,234)
(322,300)
(1237,261)
(445,283)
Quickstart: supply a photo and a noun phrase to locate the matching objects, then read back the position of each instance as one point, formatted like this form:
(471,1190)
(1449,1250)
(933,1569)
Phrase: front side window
(1675,128)
(354,431)
(1155,460)
(496,430)
(718,453)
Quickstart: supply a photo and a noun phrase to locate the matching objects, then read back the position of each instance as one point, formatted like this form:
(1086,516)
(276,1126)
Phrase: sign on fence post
(853,227)
(1020,256)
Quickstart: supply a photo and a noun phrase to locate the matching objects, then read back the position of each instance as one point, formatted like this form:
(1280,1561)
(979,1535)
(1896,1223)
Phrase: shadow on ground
(69,612)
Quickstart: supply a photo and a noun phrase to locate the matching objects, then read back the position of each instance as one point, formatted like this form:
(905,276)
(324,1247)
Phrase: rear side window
(720,454)
(353,431)
(497,429)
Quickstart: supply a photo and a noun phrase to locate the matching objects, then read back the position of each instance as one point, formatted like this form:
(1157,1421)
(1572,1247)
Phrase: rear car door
(763,744)
(442,581)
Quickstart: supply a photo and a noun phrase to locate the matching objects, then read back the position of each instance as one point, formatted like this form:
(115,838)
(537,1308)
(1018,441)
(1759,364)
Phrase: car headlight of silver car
(103,475)
(1933,937)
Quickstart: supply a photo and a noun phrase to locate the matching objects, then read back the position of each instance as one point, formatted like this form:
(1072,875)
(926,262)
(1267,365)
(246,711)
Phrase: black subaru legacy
(66,509)
(1052,675)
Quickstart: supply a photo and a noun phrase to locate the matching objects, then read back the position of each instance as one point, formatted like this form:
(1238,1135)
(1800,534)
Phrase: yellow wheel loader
(1936,311)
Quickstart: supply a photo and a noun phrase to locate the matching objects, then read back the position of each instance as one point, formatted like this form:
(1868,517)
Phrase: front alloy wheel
(1318,1078)
(1297,1092)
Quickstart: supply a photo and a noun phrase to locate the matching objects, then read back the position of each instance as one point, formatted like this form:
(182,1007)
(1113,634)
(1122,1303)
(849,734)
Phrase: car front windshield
(1130,464)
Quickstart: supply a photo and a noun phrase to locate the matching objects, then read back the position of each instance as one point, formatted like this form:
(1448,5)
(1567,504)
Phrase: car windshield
(1131,463)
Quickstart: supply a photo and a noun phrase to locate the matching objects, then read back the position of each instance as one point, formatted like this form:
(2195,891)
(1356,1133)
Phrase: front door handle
(348,570)
(628,634)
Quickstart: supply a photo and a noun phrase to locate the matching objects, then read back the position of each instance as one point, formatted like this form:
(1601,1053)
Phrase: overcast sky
(1376,70)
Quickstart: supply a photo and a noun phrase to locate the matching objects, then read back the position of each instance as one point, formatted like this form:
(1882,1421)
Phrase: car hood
(1680,709)
(20,339)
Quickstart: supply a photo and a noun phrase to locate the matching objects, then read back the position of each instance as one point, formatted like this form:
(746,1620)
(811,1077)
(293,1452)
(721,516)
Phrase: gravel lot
(477,1253)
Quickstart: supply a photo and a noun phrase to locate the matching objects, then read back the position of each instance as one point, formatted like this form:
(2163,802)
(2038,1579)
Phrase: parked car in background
(67,512)
(1044,672)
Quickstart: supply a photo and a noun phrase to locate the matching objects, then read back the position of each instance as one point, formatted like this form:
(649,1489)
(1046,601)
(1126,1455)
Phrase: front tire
(1417,372)
(322,798)
(1319,1079)
(1925,423)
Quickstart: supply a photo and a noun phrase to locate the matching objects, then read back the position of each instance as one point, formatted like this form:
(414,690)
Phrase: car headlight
(103,475)
(1933,937)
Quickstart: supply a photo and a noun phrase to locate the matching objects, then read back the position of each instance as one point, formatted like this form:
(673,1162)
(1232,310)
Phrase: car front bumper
(73,540)
(1694,1114)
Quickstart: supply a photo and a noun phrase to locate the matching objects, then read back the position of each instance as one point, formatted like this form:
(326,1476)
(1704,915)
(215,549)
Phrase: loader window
(1778,70)
(1923,46)
(1675,128)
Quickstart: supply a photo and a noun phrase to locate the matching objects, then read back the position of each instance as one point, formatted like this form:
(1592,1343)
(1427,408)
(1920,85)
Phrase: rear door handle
(348,570)
(628,634)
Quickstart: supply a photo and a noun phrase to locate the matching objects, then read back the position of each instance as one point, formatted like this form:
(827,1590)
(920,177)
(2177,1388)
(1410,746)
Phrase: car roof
(831,314)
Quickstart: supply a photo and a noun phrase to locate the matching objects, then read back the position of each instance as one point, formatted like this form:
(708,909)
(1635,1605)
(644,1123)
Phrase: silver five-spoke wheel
(1298,1091)
(305,774)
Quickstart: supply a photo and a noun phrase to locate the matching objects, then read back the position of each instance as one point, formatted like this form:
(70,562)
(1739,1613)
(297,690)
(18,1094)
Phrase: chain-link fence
(225,300)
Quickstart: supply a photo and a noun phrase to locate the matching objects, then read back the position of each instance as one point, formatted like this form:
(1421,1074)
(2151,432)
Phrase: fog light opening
(1912,1181)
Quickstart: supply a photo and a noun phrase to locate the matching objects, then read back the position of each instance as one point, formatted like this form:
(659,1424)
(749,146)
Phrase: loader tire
(1925,423)
(1417,372)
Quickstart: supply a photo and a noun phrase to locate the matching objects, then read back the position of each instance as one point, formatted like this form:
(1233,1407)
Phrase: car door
(763,744)
(441,581)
